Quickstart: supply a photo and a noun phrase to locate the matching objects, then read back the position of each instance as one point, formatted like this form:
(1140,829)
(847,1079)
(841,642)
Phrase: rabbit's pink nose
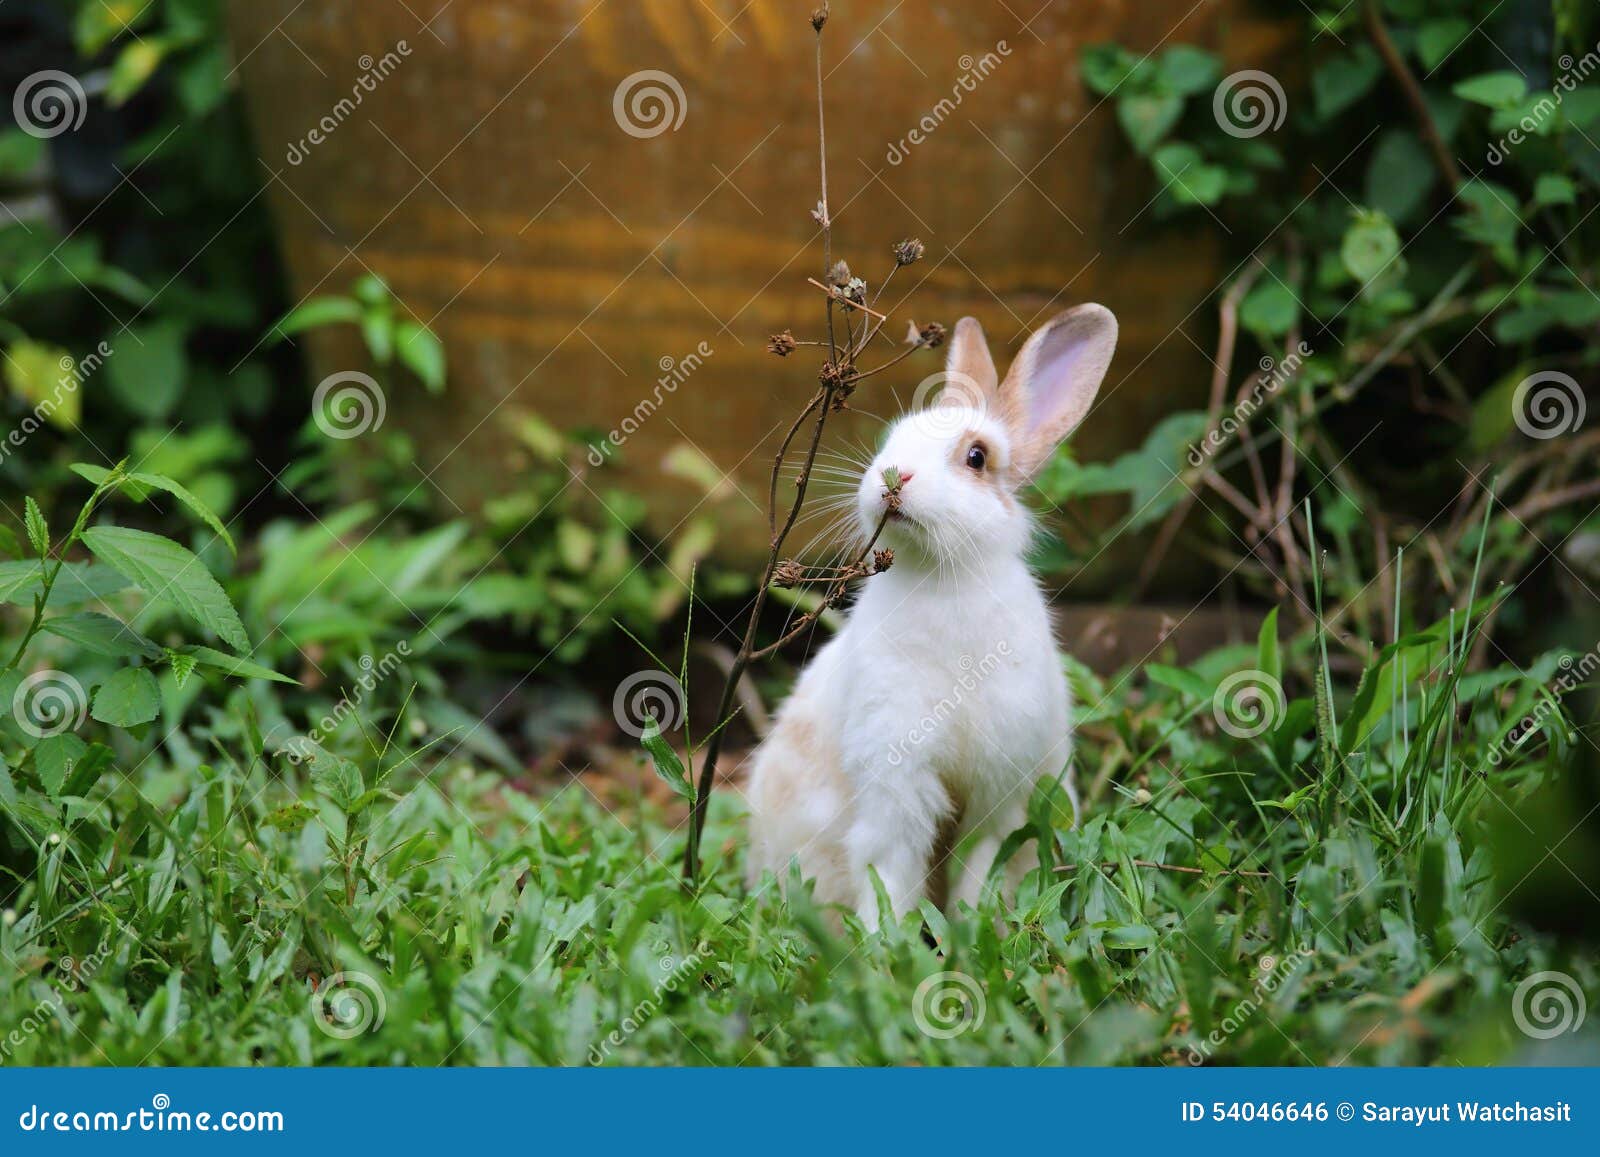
(906,476)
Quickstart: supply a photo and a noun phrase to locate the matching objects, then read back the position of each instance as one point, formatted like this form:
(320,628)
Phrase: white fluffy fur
(943,699)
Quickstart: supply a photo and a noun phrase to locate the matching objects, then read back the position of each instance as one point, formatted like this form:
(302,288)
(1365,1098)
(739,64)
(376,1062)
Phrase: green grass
(1347,908)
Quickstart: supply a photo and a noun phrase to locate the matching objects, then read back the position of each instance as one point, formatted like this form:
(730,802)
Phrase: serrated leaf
(102,635)
(232,665)
(38,529)
(170,572)
(127,699)
(98,474)
(54,758)
(182,667)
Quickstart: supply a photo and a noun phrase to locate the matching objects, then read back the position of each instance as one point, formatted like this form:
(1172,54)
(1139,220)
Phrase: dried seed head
(782,344)
(882,560)
(856,290)
(909,252)
(931,335)
(836,373)
(839,274)
(788,573)
(819,16)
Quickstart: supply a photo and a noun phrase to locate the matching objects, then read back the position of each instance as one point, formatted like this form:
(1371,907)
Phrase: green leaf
(377,330)
(1147,118)
(1268,658)
(102,635)
(1554,189)
(1187,71)
(1106,67)
(76,583)
(238,668)
(133,67)
(315,313)
(1184,682)
(1370,247)
(127,699)
(667,764)
(1400,175)
(148,368)
(1437,39)
(1269,309)
(168,571)
(54,758)
(422,353)
(38,528)
(98,474)
(1495,89)
(182,667)
(1129,936)
(1186,176)
(1343,80)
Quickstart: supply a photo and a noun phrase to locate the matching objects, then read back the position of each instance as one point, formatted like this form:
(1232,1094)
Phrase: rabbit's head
(949,474)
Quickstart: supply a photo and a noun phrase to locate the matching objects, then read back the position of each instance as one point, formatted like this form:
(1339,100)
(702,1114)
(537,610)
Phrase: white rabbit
(942,702)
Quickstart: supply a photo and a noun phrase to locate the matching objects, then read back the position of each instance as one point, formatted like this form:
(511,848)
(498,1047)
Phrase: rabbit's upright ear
(970,377)
(1054,380)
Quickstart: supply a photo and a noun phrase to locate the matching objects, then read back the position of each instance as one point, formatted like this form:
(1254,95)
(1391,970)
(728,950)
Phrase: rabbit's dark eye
(976,457)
